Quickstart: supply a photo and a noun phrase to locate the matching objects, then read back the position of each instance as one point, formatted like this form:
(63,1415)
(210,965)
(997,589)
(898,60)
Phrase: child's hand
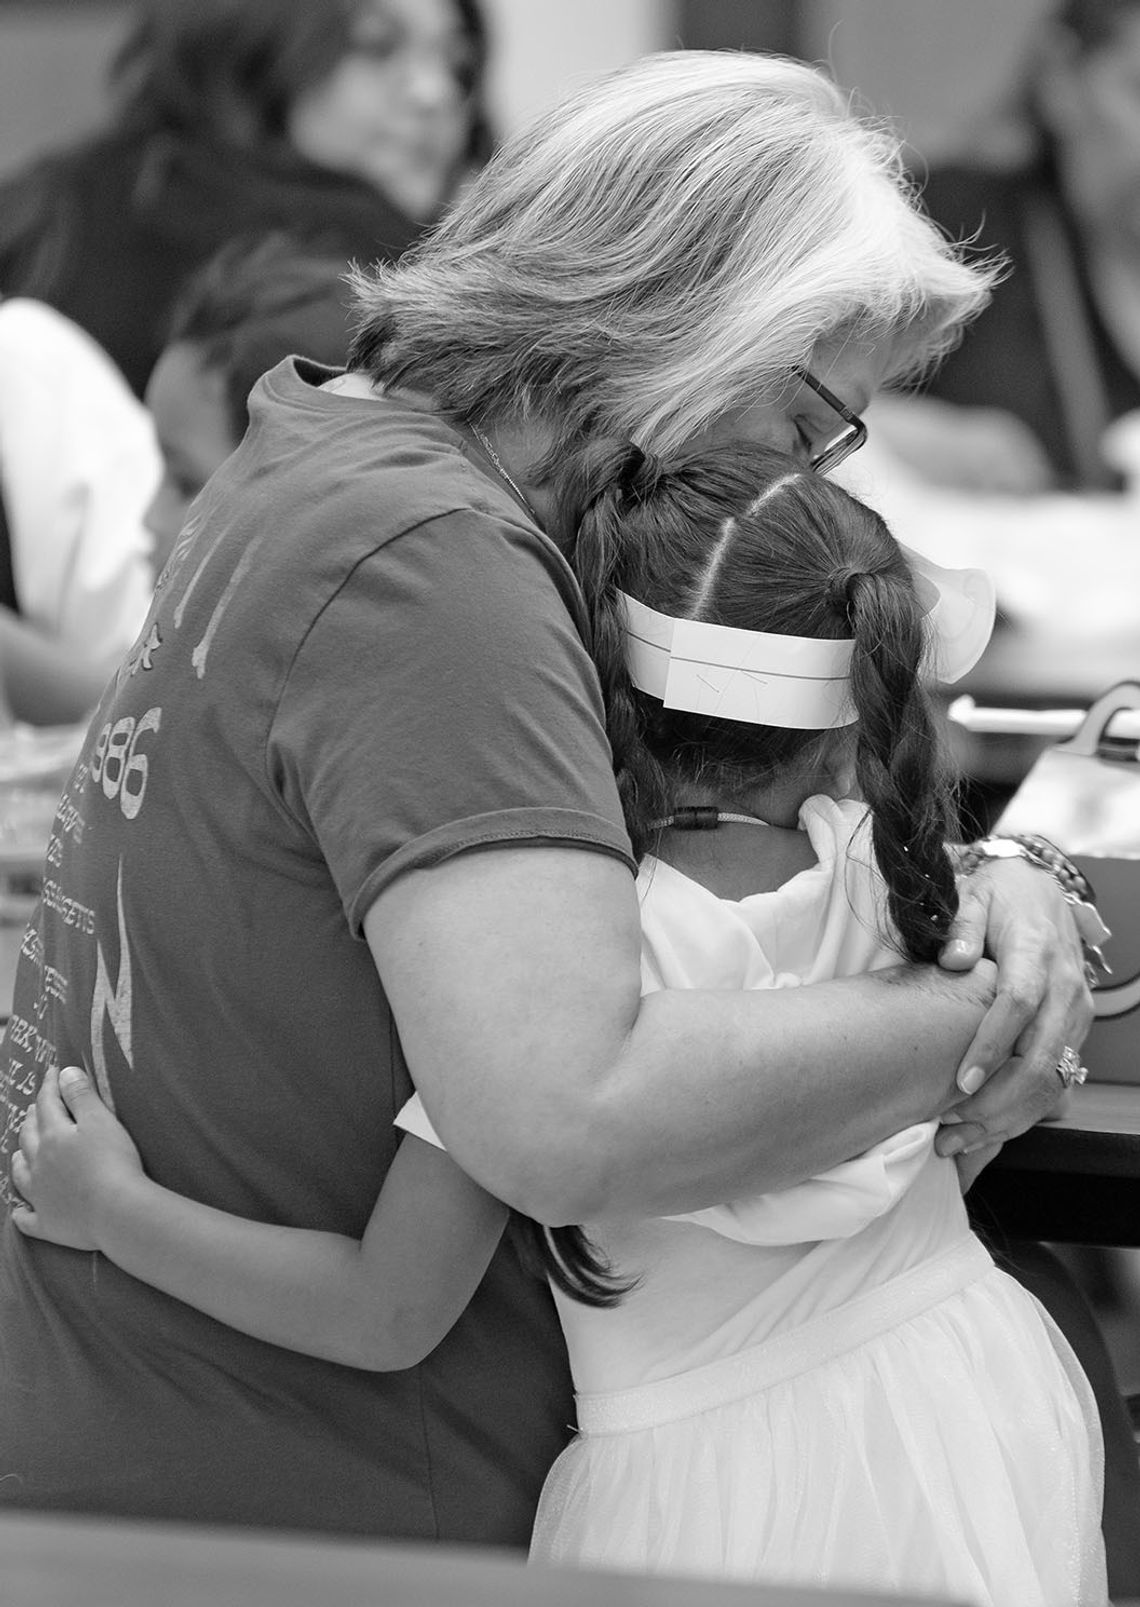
(73,1155)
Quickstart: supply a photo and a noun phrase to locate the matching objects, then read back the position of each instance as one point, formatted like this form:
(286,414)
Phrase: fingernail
(70,1077)
(970,1081)
(953,1145)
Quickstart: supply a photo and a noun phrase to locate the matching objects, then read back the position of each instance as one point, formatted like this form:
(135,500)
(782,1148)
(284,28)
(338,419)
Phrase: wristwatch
(1075,886)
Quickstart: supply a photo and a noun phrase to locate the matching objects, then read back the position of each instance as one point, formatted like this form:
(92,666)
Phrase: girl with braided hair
(831,1383)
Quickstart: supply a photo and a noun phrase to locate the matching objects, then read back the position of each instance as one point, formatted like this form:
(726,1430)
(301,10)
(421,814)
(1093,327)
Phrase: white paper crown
(800,682)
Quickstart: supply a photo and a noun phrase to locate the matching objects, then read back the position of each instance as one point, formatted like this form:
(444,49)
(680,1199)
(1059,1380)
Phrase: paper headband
(798,682)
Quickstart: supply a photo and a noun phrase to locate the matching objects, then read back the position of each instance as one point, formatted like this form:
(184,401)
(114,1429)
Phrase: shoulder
(399,479)
(392,556)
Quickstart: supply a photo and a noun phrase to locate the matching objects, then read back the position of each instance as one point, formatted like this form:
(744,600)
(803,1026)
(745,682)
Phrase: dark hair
(232,69)
(743,536)
(257,301)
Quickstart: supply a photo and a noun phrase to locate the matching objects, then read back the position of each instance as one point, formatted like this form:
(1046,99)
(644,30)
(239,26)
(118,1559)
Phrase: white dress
(832,1385)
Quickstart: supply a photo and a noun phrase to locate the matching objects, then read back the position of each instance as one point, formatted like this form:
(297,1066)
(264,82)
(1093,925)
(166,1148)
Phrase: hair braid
(898,762)
(605,498)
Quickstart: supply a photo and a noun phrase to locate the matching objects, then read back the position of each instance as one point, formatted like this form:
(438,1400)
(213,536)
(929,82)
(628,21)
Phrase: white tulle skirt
(935,1435)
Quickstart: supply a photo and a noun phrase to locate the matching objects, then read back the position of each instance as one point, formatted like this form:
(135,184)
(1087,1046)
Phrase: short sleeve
(443,700)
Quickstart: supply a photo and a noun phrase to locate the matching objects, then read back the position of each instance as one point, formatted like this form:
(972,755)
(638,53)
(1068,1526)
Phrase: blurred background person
(254,303)
(350,122)
(1020,455)
(91,503)
(1053,183)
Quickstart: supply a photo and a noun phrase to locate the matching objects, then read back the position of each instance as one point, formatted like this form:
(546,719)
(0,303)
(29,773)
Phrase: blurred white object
(1061,562)
(1121,448)
(1032,722)
(43,754)
(971,449)
(79,465)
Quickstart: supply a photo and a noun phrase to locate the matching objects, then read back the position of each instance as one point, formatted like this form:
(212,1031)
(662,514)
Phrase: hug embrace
(388,828)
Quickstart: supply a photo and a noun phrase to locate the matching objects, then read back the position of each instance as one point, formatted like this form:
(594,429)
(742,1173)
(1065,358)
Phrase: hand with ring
(1070,1070)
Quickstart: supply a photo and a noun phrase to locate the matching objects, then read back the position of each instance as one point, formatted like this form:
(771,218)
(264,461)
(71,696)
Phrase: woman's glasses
(847,440)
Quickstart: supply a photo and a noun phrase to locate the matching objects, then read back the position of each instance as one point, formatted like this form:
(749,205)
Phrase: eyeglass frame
(851,438)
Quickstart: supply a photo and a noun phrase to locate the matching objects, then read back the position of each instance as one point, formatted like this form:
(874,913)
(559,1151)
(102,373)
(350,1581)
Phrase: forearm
(318,1293)
(794,1081)
(46,682)
(714,1095)
(291,1287)
(515,982)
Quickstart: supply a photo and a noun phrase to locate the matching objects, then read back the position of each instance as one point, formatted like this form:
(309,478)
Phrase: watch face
(1002,848)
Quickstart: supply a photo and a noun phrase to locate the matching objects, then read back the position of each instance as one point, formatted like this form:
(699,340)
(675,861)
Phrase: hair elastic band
(799,682)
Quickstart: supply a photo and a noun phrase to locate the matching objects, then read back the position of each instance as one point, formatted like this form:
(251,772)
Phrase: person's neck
(736,859)
(517,446)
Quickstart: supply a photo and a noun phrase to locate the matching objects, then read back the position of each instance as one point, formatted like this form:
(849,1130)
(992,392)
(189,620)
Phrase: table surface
(63,1562)
(1099,1135)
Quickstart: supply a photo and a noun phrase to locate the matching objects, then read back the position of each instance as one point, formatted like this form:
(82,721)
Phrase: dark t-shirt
(362,659)
(109,231)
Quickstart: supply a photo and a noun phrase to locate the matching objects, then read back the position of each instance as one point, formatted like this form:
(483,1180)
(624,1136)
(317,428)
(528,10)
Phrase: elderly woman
(349,122)
(363,708)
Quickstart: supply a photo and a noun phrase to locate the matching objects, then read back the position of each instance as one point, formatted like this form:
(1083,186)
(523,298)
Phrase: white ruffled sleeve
(835,1205)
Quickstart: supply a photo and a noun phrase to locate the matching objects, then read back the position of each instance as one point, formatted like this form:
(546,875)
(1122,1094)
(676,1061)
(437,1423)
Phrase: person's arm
(381,1303)
(579,1098)
(470,818)
(46,681)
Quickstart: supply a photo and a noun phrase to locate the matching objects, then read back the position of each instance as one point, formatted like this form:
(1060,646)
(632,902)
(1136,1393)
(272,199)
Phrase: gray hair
(667,245)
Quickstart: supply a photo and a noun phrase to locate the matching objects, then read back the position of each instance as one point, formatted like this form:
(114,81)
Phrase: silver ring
(1069,1068)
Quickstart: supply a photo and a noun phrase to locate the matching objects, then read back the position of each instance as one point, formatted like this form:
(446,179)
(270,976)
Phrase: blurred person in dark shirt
(350,122)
